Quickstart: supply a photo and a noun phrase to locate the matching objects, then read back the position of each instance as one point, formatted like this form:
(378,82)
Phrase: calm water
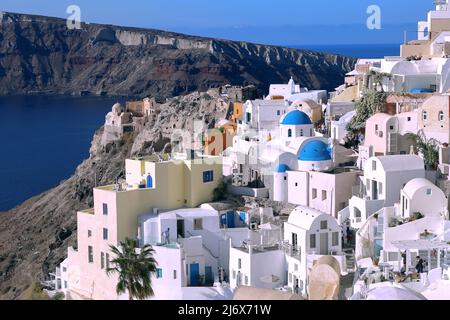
(366,51)
(44,138)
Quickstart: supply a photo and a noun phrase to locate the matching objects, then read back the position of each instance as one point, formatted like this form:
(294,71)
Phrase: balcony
(290,250)
(359,191)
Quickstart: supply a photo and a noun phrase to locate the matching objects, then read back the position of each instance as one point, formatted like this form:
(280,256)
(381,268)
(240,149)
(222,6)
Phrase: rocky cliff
(40,54)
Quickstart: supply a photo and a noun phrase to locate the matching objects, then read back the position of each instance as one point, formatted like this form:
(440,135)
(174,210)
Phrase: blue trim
(195,272)
(149,182)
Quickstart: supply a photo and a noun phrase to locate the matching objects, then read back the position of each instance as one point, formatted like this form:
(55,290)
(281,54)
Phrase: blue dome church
(296,124)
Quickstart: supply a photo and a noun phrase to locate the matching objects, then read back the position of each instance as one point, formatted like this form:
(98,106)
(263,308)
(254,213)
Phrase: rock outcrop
(40,54)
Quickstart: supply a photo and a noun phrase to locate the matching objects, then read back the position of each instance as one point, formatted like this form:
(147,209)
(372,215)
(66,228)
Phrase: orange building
(219,138)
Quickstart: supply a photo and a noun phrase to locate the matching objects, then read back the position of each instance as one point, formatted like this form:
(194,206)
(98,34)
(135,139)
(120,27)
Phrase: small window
(90,254)
(105,234)
(380,188)
(296,184)
(105,209)
(64,269)
(324,195)
(175,274)
(65,284)
(409,118)
(391,128)
(429,192)
(159,274)
(278,112)
(239,263)
(89,233)
(208,176)
(290,133)
(102,260)
(314,193)
(198,224)
(323,225)
(107,260)
(234,274)
(285,178)
(312,241)
(295,267)
(374,165)
(335,239)
(290,277)
(376,128)
(246,280)
(424,115)
(311,132)
(301,132)
(441,116)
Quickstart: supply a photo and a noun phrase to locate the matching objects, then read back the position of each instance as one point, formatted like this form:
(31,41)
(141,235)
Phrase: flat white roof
(188,213)
(401,162)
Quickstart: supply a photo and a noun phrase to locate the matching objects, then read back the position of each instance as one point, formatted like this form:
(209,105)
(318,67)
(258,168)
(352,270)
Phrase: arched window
(290,133)
(441,116)
(424,115)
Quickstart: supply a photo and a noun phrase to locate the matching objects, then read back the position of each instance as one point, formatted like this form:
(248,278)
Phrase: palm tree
(135,269)
(429,148)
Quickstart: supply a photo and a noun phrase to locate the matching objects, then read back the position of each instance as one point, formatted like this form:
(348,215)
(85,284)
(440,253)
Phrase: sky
(284,22)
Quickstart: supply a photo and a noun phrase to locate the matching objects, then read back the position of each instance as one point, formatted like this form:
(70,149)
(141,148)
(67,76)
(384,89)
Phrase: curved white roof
(389,292)
(304,217)
(401,162)
(379,118)
(306,102)
(415,185)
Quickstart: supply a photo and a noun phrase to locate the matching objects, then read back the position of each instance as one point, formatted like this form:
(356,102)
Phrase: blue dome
(296,117)
(315,150)
(281,168)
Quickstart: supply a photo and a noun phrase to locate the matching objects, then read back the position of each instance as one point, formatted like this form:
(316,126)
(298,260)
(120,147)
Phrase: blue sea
(363,51)
(44,138)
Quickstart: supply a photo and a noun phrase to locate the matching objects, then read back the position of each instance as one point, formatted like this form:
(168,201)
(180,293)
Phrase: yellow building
(149,186)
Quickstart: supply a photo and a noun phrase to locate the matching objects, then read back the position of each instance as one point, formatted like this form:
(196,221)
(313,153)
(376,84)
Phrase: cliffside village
(332,212)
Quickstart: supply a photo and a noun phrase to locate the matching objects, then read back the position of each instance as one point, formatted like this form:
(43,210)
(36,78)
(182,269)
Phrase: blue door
(194,270)
(230,219)
(209,278)
(149,182)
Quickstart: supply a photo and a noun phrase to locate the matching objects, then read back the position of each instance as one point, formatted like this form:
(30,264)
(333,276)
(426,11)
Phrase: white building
(380,186)
(307,236)
(292,92)
(190,246)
